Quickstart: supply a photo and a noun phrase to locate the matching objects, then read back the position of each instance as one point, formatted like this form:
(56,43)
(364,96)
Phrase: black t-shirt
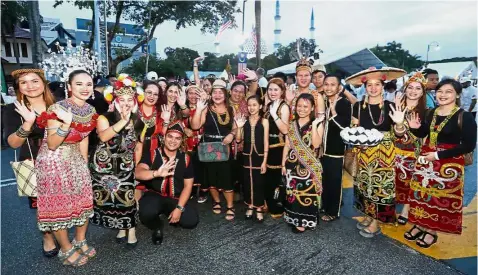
(333,143)
(171,186)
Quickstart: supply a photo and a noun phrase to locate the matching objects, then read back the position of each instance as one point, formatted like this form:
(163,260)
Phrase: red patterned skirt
(436,193)
(404,164)
(65,195)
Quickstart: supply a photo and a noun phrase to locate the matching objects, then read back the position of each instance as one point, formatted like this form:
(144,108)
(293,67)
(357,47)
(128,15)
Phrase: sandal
(363,224)
(328,218)
(402,220)
(215,209)
(257,218)
(90,252)
(63,256)
(249,217)
(408,235)
(233,215)
(421,241)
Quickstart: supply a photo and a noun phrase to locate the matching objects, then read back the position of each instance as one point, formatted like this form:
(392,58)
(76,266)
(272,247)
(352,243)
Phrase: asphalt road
(216,246)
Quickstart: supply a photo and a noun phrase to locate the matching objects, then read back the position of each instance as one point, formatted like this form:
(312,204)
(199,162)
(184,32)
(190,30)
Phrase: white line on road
(8,184)
(11,179)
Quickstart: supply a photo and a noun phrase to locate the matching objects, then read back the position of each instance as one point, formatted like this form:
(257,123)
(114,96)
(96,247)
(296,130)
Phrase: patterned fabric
(302,186)
(374,185)
(65,197)
(26,178)
(407,150)
(436,193)
(112,169)
(253,156)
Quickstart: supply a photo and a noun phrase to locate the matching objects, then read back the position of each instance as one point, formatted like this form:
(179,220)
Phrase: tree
(35,31)
(185,13)
(257,9)
(13,12)
(182,57)
(394,55)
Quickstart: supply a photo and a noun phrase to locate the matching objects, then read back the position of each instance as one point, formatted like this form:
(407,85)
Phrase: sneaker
(202,199)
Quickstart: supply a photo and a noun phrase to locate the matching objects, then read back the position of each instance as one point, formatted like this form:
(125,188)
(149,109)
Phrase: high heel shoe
(249,217)
(257,218)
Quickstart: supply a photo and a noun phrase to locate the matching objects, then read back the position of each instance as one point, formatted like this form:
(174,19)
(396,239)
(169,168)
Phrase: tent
(455,69)
(349,63)
(190,74)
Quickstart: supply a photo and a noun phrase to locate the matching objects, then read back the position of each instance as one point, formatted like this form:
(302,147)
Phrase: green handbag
(213,151)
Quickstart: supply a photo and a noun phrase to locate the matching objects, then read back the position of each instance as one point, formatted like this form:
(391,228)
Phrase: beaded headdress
(58,65)
(417,77)
(176,127)
(124,85)
(25,71)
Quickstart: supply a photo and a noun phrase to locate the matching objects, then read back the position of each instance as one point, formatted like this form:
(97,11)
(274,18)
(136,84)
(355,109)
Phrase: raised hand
(167,169)
(65,116)
(250,75)
(182,97)
(397,115)
(290,94)
(165,113)
(240,120)
(273,109)
(318,120)
(198,59)
(201,105)
(126,113)
(202,94)
(414,121)
(232,78)
(28,116)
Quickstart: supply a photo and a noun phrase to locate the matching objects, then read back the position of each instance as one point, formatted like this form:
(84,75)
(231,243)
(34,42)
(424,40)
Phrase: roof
(455,69)
(350,63)
(190,74)
(21,33)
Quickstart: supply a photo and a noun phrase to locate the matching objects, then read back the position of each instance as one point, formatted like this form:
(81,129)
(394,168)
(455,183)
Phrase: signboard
(242,62)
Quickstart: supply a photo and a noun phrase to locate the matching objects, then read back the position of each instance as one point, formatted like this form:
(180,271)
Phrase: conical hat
(384,73)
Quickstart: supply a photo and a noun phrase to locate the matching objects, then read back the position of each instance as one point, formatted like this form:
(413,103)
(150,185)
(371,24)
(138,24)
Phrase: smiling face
(81,86)
(192,96)
(374,88)
(303,108)
(446,95)
(414,91)
(303,78)
(125,102)
(31,85)
(218,96)
(151,95)
(238,93)
(331,86)
(172,141)
(432,81)
(253,106)
(318,80)
(207,86)
(172,94)
(274,92)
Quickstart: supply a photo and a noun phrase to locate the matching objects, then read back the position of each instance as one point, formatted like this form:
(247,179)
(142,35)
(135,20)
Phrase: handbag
(213,151)
(350,156)
(25,174)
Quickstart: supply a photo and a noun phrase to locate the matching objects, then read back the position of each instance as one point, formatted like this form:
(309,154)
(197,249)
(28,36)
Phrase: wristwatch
(180,208)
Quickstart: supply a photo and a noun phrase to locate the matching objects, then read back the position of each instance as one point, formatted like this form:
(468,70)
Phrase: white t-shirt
(263,82)
(467,95)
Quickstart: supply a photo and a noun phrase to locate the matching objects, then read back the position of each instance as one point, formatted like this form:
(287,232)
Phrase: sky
(341,26)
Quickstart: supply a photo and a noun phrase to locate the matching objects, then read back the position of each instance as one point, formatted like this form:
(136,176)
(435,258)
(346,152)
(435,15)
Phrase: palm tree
(257,9)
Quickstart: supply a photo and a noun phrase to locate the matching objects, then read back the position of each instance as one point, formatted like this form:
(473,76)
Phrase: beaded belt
(213,136)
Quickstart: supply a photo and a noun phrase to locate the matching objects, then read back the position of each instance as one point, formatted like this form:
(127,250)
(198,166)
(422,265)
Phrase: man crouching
(168,176)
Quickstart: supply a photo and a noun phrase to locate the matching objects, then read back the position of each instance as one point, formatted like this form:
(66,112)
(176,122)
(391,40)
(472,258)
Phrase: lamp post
(243,19)
(434,44)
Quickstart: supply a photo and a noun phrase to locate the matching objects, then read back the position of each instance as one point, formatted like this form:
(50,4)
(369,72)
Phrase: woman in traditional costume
(255,131)
(278,115)
(65,197)
(300,167)
(374,185)
(218,122)
(408,145)
(22,131)
(436,188)
(113,162)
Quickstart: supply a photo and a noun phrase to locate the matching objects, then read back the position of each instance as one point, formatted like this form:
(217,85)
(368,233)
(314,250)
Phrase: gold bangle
(114,130)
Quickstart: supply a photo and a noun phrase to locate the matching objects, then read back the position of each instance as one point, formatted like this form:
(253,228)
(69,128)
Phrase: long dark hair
(422,101)
(309,98)
(160,90)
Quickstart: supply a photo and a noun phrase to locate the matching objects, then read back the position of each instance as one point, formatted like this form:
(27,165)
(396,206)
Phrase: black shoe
(51,253)
(131,246)
(121,240)
(157,237)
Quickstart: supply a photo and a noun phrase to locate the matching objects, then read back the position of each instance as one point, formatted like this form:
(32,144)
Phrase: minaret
(312,28)
(277,29)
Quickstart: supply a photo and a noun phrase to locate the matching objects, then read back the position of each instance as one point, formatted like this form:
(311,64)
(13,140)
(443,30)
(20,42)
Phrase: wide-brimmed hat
(384,74)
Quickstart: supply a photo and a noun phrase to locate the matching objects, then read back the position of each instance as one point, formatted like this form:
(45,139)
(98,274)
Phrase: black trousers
(273,179)
(152,204)
(332,185)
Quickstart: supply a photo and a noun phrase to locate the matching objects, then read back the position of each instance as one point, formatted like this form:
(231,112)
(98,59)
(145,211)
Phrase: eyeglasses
(151,94)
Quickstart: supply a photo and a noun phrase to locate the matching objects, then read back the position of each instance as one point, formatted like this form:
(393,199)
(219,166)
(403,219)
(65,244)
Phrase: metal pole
(147,42)
(243,20)
(97,29)
(428,49)
(106,40)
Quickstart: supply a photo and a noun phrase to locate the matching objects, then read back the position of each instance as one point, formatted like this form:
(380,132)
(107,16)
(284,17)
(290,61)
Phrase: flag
(222,28)
(242,62)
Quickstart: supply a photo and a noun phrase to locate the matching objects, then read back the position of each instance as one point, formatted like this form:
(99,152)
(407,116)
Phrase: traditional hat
(319,67)
(176,126)
(417,77)
(384,74)
(304,64)
(124,85)
(219,83)
(24,71)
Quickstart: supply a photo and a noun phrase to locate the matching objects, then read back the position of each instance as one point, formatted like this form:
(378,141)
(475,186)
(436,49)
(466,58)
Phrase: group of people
(141,156)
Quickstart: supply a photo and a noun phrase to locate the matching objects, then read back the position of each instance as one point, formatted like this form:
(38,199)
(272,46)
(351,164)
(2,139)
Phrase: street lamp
(433,44)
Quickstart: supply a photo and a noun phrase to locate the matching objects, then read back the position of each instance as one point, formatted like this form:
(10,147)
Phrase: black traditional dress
(303,177)
(274,162)
(374,185)
(112,169)
(253,156)
(217,175)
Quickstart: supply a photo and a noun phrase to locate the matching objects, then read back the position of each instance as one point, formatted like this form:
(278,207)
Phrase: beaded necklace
(434,131)
(221,121)
(380,119)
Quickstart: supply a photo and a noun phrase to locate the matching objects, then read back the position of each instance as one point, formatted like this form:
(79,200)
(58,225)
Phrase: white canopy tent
(350,63)
(455,69)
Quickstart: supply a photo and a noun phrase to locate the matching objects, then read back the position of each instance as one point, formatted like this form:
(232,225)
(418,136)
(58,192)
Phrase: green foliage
(394,55)
(285,53)
(13,12)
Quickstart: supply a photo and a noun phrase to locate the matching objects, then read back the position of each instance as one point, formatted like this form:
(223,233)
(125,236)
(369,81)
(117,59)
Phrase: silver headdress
(58,65)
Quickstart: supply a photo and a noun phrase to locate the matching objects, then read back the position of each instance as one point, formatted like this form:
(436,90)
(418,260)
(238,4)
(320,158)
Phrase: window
(24,49)
(8,49)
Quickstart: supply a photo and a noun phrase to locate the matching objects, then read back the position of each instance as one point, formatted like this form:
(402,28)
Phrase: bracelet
(184,107)
(62,133)
(180,208)
(22,133)
(233,134)
(153,174)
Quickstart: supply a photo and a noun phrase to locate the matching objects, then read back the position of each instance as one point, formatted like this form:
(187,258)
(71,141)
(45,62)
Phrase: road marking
(11,179)
(8,184)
